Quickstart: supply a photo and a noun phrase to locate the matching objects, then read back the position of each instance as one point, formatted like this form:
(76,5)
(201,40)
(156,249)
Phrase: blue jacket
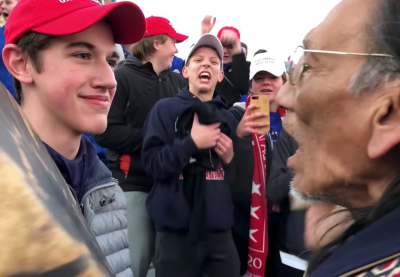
(177,64)
(165,156)
(368,249)
(102,203)
(5,76)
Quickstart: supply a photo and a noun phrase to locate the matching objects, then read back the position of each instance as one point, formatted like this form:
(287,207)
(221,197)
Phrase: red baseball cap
(65,17)
(161,26)
(236,31)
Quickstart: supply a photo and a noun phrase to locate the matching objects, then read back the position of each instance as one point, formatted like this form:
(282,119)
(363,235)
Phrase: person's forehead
(100,36)
(205,50)
(344,29)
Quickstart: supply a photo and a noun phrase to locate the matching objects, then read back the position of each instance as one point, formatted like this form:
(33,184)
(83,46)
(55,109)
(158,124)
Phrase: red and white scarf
(258,235)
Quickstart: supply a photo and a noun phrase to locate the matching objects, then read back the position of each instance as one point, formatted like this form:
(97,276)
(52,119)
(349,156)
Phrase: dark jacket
(102,203)
(236,79)
(139,88)
(372,252)
(291,235)
(165,156)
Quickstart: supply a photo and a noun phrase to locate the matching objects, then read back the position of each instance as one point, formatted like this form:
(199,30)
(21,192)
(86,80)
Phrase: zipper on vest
(76,198)
(73,194)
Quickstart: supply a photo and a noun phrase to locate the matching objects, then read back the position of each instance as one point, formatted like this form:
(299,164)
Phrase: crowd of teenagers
(169,167)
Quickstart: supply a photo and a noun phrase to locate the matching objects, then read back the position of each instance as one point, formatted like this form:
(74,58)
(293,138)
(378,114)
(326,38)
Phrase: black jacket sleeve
(240,74)
(278,185)
(119,136)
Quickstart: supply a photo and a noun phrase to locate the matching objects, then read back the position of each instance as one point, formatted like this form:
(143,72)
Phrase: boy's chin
(95,128)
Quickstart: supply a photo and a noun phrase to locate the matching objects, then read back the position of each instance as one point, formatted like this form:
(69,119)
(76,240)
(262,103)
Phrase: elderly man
(343,102)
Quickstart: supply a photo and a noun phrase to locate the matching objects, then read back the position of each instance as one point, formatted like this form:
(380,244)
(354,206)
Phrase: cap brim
(208,40)
(126,19)
(273,71)
(178,37)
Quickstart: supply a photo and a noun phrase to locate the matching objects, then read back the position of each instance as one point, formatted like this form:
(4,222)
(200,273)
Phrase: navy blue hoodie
(164,157)
(76,172)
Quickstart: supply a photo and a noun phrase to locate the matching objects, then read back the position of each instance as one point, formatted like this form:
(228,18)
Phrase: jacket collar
(377,242)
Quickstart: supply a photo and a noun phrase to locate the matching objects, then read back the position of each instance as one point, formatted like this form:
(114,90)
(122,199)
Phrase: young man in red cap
(144,79)
(61,55)
(236,69)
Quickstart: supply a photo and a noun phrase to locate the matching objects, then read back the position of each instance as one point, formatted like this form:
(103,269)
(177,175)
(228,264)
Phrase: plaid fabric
(387,269)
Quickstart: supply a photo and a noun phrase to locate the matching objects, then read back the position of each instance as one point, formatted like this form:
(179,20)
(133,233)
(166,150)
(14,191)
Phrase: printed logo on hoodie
(218,174)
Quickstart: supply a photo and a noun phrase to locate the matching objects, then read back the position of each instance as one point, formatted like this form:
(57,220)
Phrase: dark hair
(260,51)
(33,44)
(385,39)
(145,47)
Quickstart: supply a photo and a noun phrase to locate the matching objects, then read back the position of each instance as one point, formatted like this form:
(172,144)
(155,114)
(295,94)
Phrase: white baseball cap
(267,62)
(208,40)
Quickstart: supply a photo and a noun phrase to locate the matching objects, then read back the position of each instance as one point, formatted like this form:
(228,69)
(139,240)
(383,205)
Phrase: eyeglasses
(297,65)
(228,46)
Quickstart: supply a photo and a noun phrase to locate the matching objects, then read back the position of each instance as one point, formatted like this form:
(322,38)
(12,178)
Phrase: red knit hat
(226,28)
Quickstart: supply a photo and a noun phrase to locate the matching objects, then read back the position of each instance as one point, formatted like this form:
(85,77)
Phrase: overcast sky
(275,25)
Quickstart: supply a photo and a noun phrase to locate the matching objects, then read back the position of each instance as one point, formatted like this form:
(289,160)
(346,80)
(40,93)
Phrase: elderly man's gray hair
(383,32)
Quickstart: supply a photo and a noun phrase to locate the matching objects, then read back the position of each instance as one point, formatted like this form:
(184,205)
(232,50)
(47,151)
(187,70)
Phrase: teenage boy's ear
(156,44)
(221,76)
(17,63)
(185,72)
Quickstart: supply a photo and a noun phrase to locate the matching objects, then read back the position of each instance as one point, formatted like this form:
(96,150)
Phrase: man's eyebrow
(307,43)
(81,44)
(90,47)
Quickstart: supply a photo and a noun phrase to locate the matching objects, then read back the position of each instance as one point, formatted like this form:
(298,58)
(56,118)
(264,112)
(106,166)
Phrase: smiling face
(265,83)
(76,82)
(165,52)
(333,127)
(203,71)
(6,7)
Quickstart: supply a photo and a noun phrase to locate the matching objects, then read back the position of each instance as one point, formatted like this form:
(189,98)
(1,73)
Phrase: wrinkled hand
(224,149)
(207,24)
(205,136)
(247,125)
(230,37)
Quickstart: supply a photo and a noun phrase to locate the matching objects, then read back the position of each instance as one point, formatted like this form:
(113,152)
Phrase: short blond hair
(145,47)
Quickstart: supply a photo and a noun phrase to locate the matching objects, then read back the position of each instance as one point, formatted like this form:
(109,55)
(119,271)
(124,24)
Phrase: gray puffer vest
(104,208)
